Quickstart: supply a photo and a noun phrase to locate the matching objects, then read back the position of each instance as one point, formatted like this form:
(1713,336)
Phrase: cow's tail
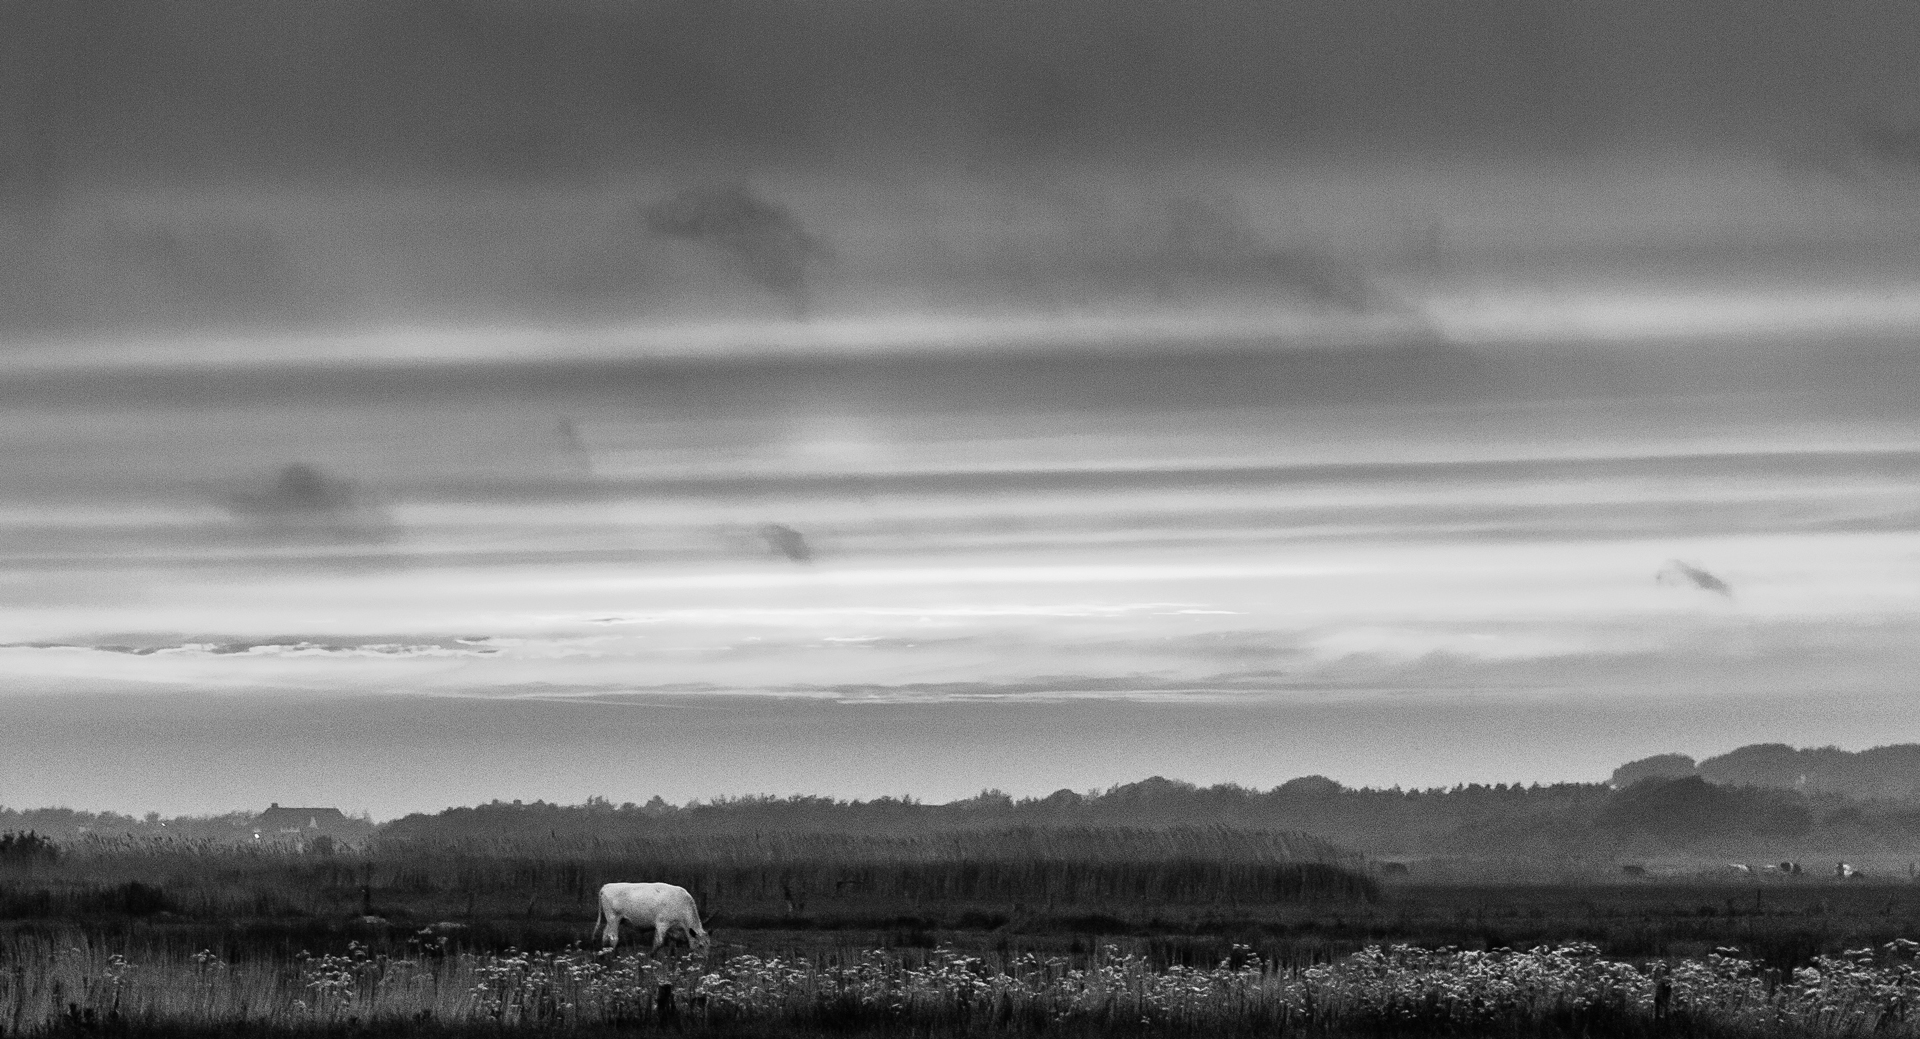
(599,926)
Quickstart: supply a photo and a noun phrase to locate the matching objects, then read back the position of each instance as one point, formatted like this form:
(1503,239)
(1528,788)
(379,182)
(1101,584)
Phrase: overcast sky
(933,575)
(1390,427)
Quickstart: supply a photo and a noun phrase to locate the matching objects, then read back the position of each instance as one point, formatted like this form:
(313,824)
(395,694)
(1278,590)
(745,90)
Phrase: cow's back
(647,901)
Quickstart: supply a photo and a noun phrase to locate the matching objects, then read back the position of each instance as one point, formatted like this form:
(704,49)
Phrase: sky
(524,579)
(1054,440)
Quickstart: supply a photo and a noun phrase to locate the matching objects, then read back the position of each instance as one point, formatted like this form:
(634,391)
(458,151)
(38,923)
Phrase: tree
(1659,766)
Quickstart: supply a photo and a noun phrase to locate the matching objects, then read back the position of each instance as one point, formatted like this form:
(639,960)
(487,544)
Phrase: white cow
(660,906)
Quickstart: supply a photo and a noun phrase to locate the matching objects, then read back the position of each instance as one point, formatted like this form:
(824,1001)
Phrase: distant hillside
(275,826)
(1878,773)
(1658,816)
(1154,803)
(1691,808)
(1660,766)
(1750,805)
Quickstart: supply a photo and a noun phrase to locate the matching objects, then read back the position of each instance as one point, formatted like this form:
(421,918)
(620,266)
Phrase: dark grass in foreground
(1573,1026)
(1565,990)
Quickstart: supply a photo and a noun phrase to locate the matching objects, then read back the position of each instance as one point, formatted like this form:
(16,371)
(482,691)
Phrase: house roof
(275,815)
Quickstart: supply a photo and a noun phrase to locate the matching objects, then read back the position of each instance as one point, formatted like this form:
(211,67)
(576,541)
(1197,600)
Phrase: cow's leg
(660,928)
(613,932)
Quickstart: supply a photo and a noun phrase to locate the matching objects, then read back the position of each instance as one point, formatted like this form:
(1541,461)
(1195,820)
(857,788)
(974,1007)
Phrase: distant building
(299,826)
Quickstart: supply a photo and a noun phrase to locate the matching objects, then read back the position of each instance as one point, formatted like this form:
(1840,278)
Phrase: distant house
(298,826)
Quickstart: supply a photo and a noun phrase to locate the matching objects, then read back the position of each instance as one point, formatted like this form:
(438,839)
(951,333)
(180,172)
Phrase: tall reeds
(782,874)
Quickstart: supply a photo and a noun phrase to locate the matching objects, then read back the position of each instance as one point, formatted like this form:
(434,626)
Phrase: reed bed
(743,877)
(1566,989)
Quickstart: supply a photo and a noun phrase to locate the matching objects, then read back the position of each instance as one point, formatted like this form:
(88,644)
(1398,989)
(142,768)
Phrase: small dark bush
(133,899)
(975,920)
(25,905)
(130,899)
(1092,923)
(26,847)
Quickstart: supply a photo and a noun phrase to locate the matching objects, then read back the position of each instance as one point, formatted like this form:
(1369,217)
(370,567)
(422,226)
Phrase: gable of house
(298,820)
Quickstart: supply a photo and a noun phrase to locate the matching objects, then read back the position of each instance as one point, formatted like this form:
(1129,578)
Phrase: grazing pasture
(1175,896)
(543,895)
(1072,931)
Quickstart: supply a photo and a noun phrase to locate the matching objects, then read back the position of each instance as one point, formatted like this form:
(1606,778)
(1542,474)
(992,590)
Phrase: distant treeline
(71,826)
(1751,802)
(1891,772)
(1566,820)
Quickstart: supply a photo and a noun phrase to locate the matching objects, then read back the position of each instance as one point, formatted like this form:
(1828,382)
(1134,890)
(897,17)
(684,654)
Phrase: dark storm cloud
(762,236)
(787,542)
(447,98)
(302,502)
(1683,573)
(506,89)
(298,489)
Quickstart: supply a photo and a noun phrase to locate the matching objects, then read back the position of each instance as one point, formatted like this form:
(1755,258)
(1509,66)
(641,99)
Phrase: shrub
(26,847)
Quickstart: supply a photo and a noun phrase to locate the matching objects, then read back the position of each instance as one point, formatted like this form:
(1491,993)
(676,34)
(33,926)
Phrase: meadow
(1071,931)
(540,894)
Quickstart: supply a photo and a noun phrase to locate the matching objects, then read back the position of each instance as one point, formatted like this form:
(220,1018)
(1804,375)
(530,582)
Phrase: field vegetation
(542,895)
(1567,989)
(1154,907)
(1176,895)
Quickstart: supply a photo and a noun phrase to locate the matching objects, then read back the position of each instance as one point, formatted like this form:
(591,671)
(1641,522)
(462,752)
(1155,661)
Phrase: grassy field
(1176,896)
(1214,930)
(813,889)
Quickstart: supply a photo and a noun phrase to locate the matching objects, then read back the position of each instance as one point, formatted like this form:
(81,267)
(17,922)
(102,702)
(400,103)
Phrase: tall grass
(742,877)
(1177,897)
(1568,989)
